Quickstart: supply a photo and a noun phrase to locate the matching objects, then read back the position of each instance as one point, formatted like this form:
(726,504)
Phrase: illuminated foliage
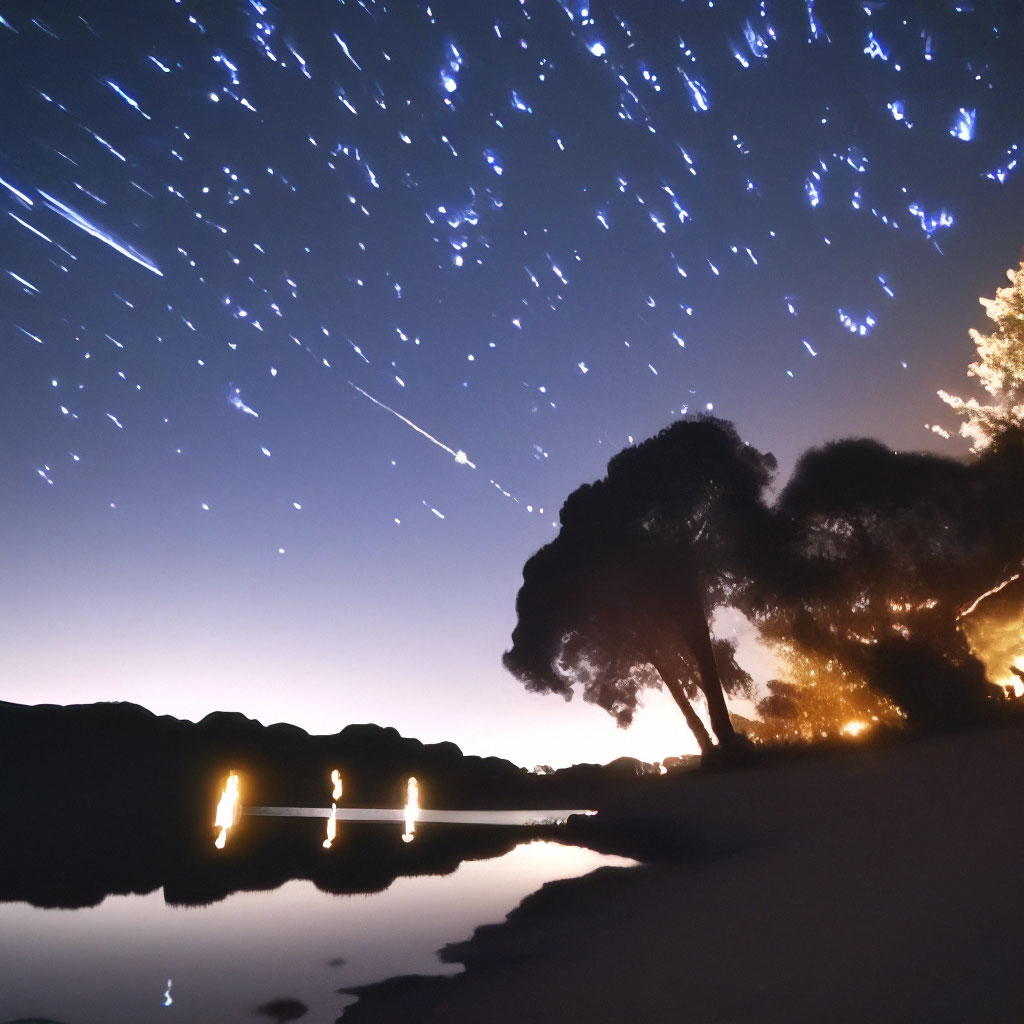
(865,575)
(881,555)
(999,368)
(995,632)
(815,699)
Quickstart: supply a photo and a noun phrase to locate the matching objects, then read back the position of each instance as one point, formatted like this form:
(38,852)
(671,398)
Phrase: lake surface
(113,962)
(427,815)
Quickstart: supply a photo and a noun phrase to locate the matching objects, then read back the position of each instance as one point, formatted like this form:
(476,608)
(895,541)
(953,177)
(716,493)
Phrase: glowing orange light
(1016,684)
(854,728)
(1013,685)
(412,810)
(988,593)
(227,810)
(332,823)
(332,827)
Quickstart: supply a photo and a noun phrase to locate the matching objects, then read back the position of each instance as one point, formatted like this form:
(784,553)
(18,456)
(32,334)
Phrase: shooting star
(86,225)
(459,456)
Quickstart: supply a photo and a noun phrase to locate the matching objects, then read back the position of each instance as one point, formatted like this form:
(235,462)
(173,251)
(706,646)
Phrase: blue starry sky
(313,314)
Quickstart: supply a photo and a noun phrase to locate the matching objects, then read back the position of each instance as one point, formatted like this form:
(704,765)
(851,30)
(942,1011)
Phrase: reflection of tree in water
(282,1010)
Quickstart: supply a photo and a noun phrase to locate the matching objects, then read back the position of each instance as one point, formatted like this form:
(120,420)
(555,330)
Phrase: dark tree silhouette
(885,553)
(621,599)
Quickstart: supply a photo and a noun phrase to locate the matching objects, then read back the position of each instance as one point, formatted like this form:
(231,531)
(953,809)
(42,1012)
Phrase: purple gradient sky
(246,213)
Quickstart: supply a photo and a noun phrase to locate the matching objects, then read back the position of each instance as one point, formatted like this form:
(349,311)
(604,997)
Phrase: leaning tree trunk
(675,687)
(698,634)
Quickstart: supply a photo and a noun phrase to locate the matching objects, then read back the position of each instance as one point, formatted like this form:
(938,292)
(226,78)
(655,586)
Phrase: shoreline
(877,884)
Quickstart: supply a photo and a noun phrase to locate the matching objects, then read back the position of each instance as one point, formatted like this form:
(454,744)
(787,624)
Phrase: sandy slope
(874,886)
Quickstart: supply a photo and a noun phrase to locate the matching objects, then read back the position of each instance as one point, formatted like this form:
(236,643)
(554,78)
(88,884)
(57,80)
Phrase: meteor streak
(17,192)
(86,225)
(459,456)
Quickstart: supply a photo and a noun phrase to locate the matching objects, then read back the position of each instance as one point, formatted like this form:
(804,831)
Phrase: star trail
(331,304)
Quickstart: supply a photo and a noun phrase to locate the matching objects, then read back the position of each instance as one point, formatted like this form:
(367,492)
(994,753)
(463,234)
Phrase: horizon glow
(535,233)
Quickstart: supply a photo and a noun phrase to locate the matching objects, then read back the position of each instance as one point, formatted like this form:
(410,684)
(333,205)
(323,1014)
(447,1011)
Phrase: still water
(220,963)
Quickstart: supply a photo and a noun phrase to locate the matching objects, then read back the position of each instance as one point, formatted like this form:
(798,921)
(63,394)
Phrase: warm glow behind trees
(995,631)
(881,578)
(816,698)
(883,552)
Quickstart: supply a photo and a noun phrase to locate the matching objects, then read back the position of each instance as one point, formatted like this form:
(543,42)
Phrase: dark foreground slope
(878,885)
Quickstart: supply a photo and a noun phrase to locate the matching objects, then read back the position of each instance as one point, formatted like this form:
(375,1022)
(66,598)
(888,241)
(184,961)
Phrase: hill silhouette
(110,798)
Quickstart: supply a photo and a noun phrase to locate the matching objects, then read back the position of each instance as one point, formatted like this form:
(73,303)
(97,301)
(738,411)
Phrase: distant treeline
(110,798)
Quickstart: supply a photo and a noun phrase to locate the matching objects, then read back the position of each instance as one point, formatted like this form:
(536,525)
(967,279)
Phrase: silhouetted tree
(885,552)
(621,599)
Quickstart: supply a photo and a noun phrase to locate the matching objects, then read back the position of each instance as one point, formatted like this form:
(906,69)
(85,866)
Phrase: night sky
(314,313)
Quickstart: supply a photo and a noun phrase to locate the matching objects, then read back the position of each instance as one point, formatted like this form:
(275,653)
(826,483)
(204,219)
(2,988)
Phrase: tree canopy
(999,367)
(889,584)
(620,600)
(883,552)
(865,577)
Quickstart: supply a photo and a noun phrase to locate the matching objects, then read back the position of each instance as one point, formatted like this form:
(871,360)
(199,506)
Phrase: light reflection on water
(113,962)
(412,809)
